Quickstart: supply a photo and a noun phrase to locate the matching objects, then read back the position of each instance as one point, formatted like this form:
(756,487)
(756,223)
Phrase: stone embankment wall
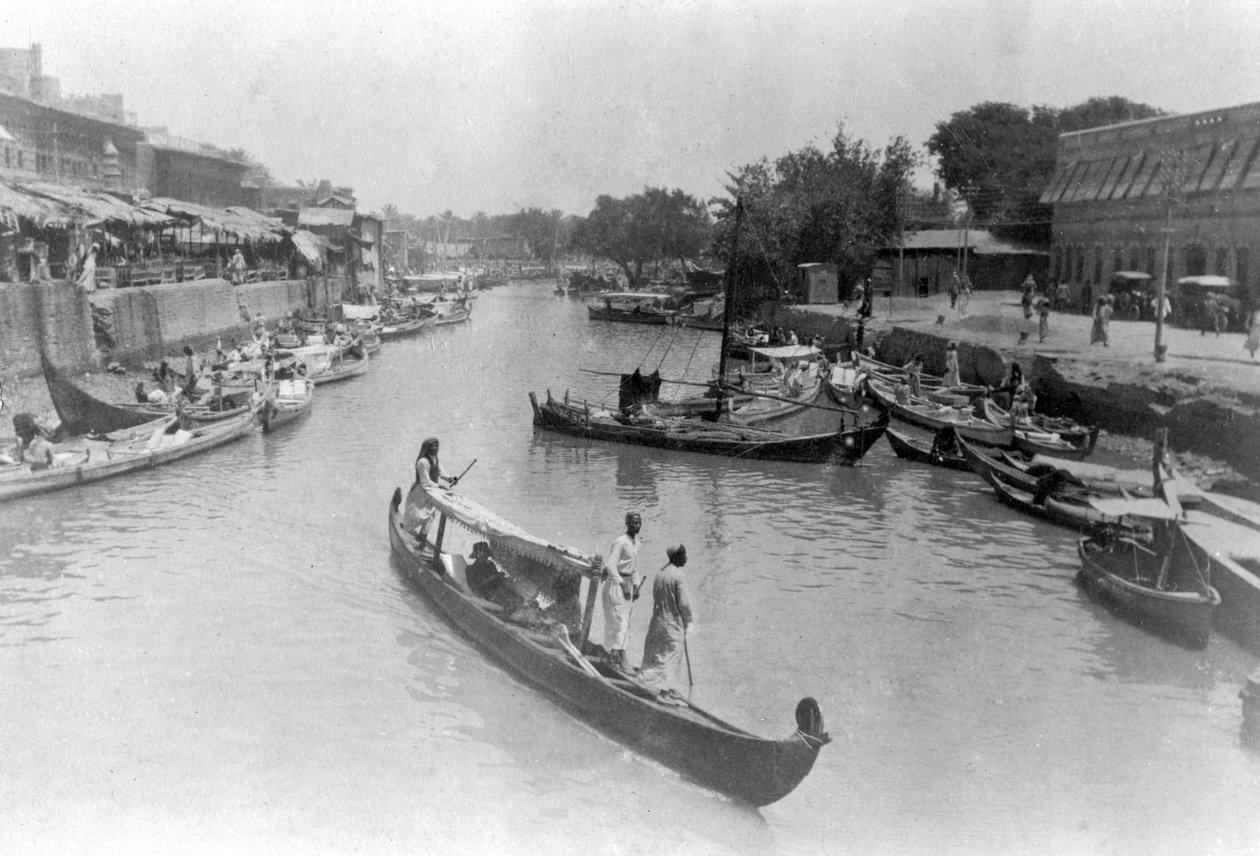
(145,322)
(1123,399)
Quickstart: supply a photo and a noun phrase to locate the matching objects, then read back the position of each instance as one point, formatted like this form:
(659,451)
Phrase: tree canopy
(1001,156)
(645,227)
(839,205)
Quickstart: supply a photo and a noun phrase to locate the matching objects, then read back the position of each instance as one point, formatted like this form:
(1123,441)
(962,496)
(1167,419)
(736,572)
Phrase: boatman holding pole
(671,620)
(621,584)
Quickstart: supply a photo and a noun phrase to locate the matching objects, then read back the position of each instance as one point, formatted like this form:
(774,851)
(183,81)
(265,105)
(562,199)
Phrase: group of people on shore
(525,599)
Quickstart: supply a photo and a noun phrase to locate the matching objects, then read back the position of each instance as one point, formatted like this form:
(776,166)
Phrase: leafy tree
(839,205)
(1000,156)
(642,228)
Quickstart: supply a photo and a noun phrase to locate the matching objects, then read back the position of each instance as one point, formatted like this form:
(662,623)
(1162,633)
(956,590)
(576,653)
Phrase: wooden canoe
(1165,592)
(846,445)
(1065,509)
(922,452)
(84,460)
(288,402)
(696,743)
(407,327)
(934,417)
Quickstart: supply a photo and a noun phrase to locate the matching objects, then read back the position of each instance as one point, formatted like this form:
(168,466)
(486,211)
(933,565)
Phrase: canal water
(220,657)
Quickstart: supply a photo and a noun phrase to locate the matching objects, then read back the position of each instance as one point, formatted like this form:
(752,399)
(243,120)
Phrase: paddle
(464,473)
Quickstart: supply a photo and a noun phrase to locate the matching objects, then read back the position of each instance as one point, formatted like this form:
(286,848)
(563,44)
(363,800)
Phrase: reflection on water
(222,653)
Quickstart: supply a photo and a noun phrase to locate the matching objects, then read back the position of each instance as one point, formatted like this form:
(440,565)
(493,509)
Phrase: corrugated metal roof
(979,241)
(325,216)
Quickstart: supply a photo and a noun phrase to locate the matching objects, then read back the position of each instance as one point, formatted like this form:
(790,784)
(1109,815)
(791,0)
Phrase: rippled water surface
(220,656)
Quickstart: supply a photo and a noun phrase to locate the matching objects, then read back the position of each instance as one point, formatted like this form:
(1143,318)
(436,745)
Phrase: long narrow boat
(696,743)
(327,364)
(406,327)
(82,460)
(934,417)
(1041,437)
(631,307)
(452,312)
(1234,553)
(1165,591)
(847,445)
(1075,511)
(935,454)
(890,374)
(289,401)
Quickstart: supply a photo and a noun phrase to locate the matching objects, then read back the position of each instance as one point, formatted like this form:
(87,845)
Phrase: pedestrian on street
(955,287)
(1043,318)
(964,297)
(1253,334)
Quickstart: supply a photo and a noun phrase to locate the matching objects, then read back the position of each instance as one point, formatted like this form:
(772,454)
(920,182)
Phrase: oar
(464,473)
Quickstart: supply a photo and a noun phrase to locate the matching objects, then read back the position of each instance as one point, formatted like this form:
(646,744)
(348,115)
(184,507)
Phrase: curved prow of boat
(663,726)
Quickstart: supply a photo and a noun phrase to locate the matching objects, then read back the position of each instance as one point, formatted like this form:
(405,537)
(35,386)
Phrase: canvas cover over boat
(1151,508)
(787,353)
(506,535)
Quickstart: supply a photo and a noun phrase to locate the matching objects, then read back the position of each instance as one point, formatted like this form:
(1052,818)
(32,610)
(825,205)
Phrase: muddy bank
(1214,422)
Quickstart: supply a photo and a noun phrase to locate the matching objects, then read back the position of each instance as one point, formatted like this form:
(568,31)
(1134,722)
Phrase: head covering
(952,346)
(677,555)
(633,515)
(429,450)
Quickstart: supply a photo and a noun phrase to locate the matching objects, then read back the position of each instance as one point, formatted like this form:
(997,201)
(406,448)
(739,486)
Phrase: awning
(16,205)
(91,207)
(310,245)
(238,221)
(325,217)
(1149,507)
(788,352)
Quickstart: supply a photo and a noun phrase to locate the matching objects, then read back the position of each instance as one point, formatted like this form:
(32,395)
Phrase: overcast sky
(493,106)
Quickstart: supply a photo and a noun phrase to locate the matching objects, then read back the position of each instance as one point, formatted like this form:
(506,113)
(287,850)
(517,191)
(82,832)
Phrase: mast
(732,268)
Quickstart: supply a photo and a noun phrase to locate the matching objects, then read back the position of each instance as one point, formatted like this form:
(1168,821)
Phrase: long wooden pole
(732,269)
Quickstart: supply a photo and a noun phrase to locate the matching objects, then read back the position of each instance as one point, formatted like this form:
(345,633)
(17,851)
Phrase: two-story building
(1119,191)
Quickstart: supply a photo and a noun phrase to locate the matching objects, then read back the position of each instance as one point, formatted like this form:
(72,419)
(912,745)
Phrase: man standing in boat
(671,619)
(620,587)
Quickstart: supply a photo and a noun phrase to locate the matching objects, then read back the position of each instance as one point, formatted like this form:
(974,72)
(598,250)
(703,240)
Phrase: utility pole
(1173,176)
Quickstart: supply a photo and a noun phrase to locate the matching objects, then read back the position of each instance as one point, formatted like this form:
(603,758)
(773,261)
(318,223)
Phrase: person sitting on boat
(490,582)
(621,586)
(792,338)
(430,475)
(796,379)
(1004,394)
(902,393)
(672,619)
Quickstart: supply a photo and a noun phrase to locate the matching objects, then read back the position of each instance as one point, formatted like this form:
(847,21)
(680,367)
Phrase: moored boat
(631,307)
(290,399)
(1164,590)
(93,458)
(942,452)
(847,445)
(934,417)
(673,731)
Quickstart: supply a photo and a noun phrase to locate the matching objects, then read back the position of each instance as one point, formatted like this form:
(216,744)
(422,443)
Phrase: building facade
(1119,191)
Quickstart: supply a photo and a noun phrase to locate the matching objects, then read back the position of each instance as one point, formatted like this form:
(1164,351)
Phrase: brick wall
(52,315)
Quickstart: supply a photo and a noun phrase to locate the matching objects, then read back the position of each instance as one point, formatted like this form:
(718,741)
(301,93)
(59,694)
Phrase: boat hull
(1182,616)
(846,445)
(910,449)
(106,461)
(703,748)
(975,430)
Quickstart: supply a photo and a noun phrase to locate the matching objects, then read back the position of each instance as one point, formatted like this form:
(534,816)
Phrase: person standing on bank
(671,621)
(951,377)
(621,586)
(87,278)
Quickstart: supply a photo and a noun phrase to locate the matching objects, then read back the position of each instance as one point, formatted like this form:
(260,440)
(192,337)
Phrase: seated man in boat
(902,393)
(32,447)
(490,582)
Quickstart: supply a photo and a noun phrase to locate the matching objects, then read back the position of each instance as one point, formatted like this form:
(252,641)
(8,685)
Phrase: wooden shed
(818,283)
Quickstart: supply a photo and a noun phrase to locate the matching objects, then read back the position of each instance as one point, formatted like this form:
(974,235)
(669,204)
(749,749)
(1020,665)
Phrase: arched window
(1134,262)
(1222,262)
(1117,259)
(1195,261)
(1080,263)
(1242,266)
(1150,262)
(1098,264)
